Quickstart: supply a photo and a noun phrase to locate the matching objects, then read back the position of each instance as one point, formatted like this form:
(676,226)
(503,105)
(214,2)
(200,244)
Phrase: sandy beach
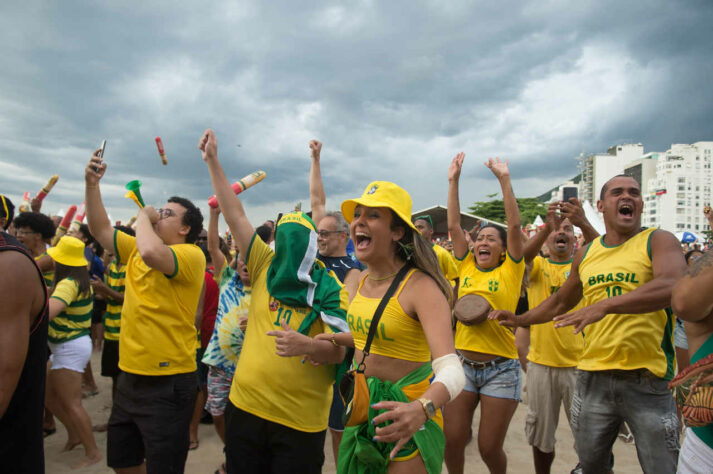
(209,454)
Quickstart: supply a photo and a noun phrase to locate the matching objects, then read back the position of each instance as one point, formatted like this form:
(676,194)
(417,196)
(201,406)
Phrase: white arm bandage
(449,371)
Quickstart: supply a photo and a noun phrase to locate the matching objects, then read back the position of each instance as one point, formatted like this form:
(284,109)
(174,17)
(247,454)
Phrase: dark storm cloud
(393,89)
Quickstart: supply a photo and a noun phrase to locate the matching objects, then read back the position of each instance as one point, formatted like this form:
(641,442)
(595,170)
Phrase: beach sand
(209,454)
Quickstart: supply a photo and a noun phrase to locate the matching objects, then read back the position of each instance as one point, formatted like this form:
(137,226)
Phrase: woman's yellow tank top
(624,341)
(398,335)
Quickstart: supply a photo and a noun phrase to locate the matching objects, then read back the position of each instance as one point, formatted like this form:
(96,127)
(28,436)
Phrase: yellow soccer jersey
(158,333)
(76,319)
(447,263)
(115,275)
(624,341)
(279,389)
(500,286)
(554,347)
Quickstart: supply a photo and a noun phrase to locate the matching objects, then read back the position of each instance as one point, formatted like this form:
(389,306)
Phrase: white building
(681,189)
(643,170)
(598,168)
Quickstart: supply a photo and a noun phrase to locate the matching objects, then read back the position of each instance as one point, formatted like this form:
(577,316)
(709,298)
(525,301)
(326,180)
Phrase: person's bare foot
(71,444)
(101,428)
(88,461)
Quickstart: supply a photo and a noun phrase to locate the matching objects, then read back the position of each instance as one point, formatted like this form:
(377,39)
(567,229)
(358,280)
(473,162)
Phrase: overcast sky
(393,89)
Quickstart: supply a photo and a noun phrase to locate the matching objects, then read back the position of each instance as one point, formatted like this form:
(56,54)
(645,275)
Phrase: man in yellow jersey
(157,385)
(445,260)
(624,280)
(553,353)
(692,301)
(276,417)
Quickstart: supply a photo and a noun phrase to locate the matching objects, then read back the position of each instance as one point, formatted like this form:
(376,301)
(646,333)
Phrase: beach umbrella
(686,237)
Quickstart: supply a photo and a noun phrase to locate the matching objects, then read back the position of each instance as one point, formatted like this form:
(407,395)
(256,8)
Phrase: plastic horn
(47,187)
(134,193)
(161,152)
(78,219)
(64,225)
(25,205)
(240,186)
(131,221)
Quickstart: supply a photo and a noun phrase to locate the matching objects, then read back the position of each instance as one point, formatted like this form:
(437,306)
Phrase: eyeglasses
(325,233)
(165,212)
(25,232)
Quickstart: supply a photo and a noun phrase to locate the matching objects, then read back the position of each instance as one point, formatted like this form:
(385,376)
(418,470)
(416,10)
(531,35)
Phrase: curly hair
(36,221)
(192,218)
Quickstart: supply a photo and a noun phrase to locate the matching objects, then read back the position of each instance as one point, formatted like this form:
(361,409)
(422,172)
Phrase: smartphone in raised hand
(101,154)
(569,192)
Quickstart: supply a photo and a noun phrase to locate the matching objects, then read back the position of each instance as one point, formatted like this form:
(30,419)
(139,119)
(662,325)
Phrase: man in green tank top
(692,301)
(625,280)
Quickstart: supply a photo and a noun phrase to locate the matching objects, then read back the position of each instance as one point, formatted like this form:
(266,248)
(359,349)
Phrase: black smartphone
(569,192)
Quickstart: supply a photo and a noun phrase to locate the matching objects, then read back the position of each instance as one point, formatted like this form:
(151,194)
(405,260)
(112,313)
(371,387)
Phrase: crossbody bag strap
(380,309)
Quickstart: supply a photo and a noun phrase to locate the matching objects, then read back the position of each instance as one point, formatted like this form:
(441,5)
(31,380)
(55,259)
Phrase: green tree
(494,210)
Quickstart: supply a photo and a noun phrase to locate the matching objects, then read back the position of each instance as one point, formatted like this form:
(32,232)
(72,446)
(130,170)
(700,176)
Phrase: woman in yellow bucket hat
(413,339)
(70,309)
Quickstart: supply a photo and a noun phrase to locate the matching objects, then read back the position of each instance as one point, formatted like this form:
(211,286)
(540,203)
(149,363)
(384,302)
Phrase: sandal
(193,445)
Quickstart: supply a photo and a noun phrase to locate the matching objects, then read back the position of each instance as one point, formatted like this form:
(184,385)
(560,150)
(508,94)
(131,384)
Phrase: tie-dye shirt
(226,341)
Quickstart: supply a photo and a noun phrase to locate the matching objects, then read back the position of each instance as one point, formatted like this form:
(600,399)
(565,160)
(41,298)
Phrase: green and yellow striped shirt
(76,319)
(112,317)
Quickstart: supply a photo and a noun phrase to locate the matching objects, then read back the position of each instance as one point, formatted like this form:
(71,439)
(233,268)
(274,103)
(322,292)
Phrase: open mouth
(561,241)
(626,210)
(362,241)
(483,253)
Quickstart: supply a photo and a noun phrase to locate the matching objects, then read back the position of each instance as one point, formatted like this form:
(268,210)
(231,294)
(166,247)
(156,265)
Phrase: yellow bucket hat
(382,194)
(69,251)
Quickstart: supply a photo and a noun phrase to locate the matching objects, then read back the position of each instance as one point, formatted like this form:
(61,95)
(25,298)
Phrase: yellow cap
(382,194)
(69,251)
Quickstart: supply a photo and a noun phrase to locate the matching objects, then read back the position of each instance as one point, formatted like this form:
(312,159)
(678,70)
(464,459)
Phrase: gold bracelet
(89,186)
(334,340)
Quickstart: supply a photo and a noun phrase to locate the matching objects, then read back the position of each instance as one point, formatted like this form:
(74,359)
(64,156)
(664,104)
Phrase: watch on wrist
(428,407)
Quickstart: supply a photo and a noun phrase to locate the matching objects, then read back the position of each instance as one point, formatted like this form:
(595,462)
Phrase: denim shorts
(499,380)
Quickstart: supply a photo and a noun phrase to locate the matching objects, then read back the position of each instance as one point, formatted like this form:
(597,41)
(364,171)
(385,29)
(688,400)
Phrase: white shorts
(696,457)
(72,355)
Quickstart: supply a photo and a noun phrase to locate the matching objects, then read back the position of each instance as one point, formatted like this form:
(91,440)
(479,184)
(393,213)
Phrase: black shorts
(201,370)
(98,311)
(149,421)
(110,358)
(336,411)
(255,445)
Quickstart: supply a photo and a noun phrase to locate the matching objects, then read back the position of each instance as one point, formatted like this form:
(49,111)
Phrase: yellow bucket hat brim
(69,251)
(382,194)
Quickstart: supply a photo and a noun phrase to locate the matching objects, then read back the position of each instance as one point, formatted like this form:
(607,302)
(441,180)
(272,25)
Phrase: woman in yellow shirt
(70,312)
(414,330)
(493,271)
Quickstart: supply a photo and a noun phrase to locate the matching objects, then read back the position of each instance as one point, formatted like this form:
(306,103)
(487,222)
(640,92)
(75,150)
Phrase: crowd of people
(354,321)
